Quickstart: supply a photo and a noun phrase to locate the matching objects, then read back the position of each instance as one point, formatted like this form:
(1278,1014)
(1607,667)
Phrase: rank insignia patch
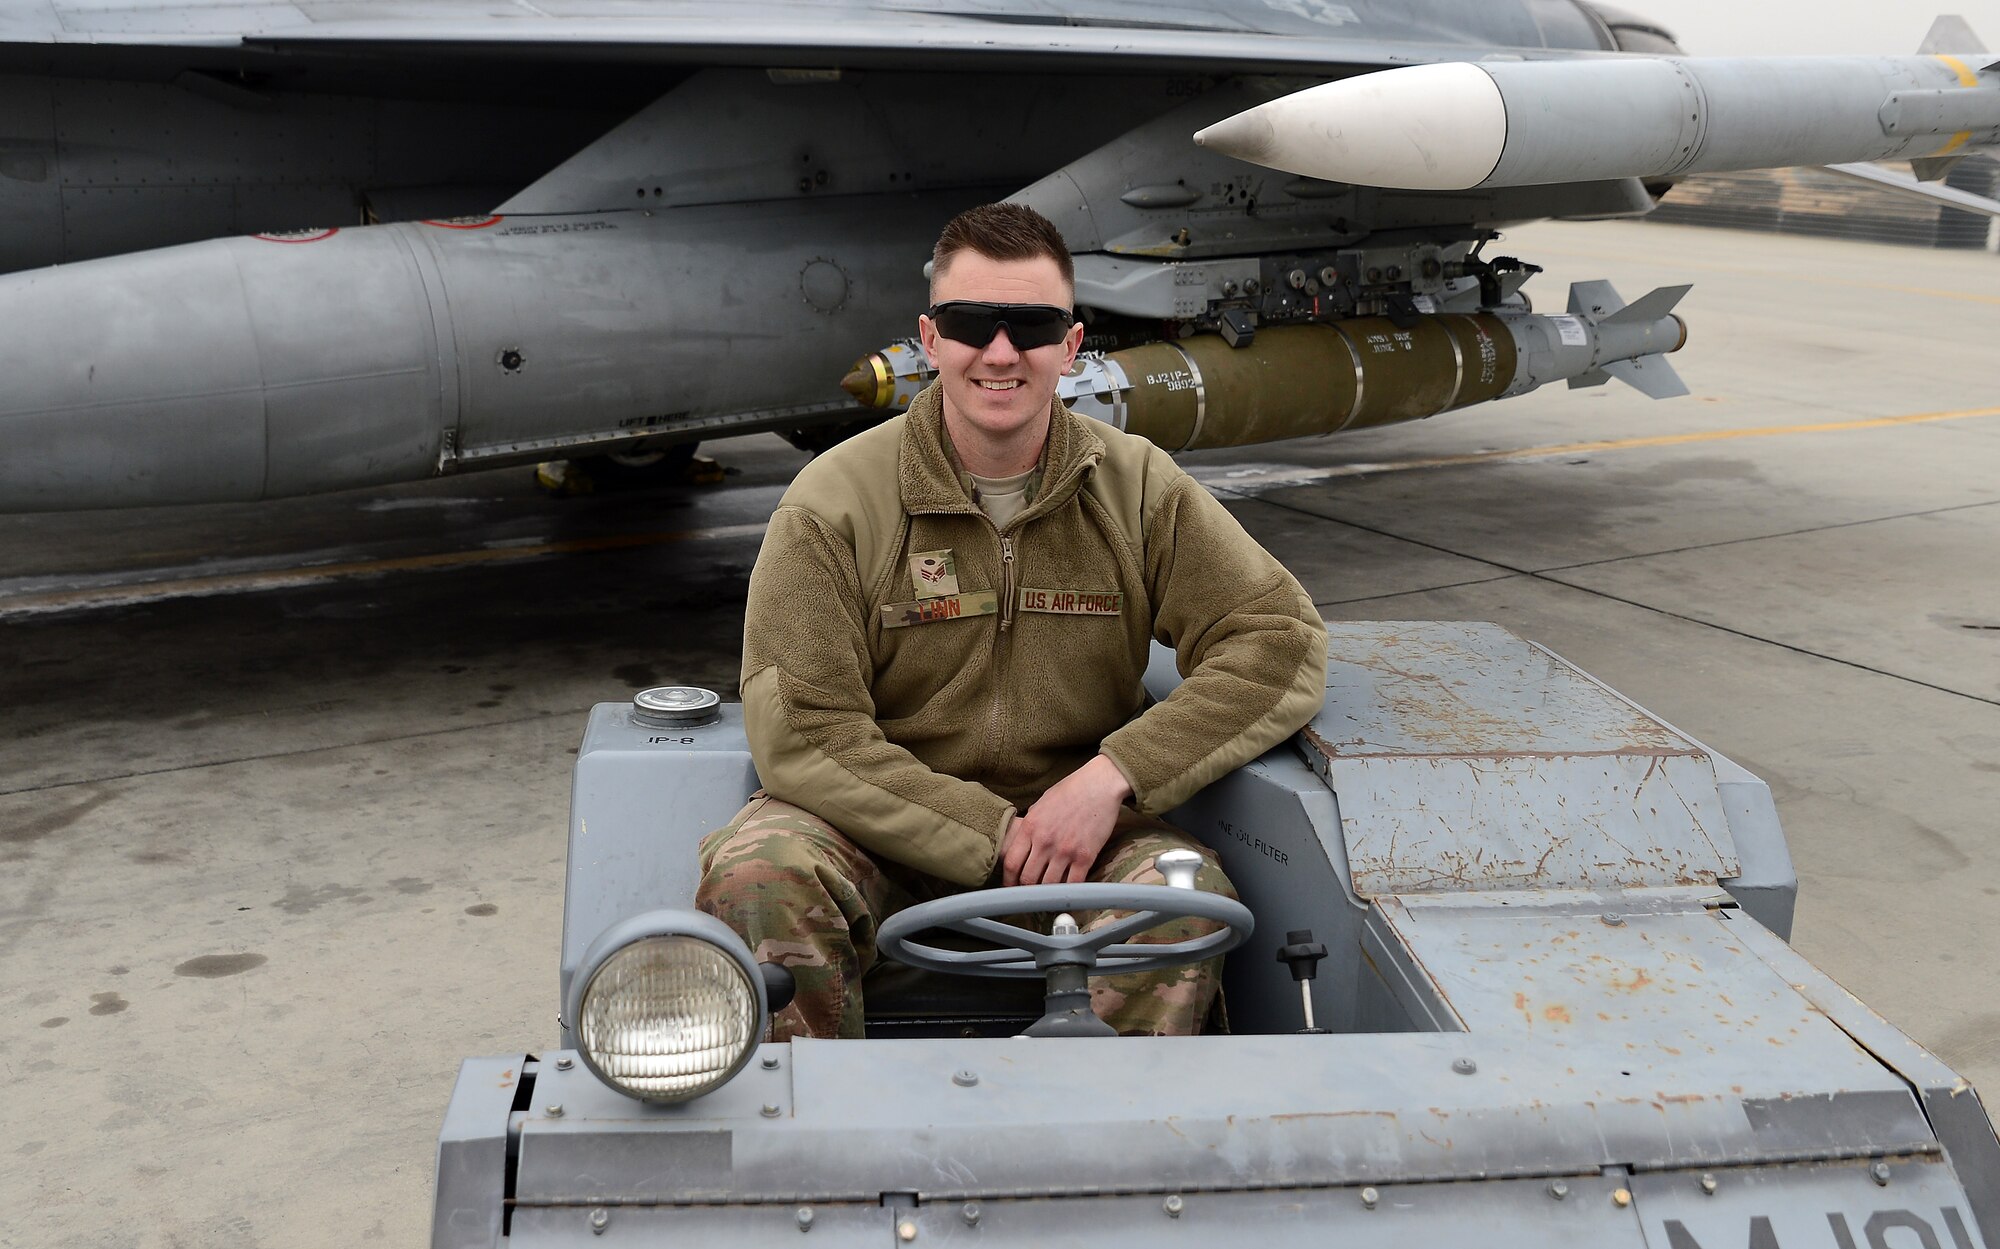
(935,573)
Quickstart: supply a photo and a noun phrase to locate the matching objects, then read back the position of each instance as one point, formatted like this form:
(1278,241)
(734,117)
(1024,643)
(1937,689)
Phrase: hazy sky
(1775,27)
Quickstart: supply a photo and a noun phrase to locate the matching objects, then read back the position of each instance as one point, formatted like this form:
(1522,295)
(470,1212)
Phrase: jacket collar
(929,477)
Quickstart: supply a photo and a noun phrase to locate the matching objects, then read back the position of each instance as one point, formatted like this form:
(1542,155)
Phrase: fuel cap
(675,706)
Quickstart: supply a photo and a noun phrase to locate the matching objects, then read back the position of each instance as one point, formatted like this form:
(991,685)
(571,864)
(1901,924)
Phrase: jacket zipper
(1000,636)
(1006,582)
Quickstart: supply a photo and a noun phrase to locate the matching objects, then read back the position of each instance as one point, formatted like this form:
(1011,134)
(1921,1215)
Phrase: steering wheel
(1023,952)
(1066,957)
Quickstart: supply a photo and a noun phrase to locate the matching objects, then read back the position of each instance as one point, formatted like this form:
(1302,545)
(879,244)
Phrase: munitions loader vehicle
(1510,968)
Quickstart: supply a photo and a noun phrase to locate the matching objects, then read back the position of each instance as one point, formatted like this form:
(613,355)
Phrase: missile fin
(1933,168)
(1595,377)
(1650,375)
(1950,196)
(1594,301)
(1650,308)
(1950,33)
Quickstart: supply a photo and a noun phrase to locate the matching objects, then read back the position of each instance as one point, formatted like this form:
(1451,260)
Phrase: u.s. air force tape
(1073,602)
(944,607)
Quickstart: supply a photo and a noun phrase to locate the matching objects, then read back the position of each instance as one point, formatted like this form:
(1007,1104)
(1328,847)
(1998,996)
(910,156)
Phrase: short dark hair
(1002,232)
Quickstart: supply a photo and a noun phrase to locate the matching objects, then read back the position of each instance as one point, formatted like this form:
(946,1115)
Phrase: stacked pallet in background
(1815,201)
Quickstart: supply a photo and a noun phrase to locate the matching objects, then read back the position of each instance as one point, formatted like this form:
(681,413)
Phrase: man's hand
(1059,838)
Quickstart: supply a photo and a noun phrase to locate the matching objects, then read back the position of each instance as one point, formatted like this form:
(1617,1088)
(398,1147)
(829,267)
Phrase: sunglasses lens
(1028,325)
(1037,327)
(971,326)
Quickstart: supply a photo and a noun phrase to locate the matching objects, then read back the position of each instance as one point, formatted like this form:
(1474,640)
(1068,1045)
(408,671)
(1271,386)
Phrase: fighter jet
(254,251)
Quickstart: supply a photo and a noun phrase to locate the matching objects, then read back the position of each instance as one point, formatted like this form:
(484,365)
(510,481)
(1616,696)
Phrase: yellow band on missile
(885,381)
(1966,78)
(870,381)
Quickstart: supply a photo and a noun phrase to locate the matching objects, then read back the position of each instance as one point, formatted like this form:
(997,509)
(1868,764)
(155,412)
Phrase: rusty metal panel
(1949,1101)
(1899,1201)
(1588,1217)
(1465,758)
(1389,1216)
(838,1225)
(1653,1003)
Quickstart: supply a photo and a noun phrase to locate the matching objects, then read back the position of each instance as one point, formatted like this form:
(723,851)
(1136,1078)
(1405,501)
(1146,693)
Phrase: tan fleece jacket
(914,675)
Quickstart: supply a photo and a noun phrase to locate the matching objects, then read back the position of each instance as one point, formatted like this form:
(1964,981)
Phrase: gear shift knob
(1179,867)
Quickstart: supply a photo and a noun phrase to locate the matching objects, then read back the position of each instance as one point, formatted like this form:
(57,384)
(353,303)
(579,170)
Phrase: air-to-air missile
(1290,381)
(1449,127)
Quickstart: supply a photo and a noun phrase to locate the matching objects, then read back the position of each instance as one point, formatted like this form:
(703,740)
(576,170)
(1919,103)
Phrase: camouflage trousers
(806,897)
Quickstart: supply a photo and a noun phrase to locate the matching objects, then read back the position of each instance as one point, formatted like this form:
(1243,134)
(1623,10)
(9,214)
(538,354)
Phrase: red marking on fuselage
(299,236)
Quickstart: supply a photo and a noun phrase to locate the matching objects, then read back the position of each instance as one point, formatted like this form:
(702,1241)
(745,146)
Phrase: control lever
(779,987)
(1179,867)
(1302,954)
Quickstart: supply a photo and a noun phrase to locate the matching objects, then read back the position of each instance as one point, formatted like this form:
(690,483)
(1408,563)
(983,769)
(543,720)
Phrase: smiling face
(997,398)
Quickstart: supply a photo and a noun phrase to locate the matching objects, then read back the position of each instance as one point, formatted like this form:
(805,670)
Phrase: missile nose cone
(1423,128)
(869,381)
(1246,136)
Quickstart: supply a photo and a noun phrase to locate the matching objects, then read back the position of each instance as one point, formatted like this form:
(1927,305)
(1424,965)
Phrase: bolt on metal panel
(1917,1201)
(1498,1212)
(1658,1015)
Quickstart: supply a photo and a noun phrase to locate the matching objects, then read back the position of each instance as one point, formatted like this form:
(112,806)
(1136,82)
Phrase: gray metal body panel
(1495,1034)
(643,798)
(1073,1117)
(862,135)
(1466,759)
(113,161)
(1502,1211)
(1952,1105)
(473,1149)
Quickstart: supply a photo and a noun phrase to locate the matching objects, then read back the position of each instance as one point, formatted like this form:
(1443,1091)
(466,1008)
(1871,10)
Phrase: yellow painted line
(1925,290)
(1966,296)
(285,578)
(1724,435)
(1781,274)
(1283,477)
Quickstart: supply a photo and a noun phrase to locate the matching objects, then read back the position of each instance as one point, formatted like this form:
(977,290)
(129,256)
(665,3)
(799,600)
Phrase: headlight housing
(670,1006)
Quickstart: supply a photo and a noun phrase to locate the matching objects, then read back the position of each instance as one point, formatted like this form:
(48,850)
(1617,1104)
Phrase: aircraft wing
(1272,36)
(936,43)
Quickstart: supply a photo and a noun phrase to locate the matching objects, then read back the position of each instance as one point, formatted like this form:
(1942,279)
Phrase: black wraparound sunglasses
(974,323)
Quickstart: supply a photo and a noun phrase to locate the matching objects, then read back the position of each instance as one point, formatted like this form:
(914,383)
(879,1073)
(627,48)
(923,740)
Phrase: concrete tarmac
(283,787)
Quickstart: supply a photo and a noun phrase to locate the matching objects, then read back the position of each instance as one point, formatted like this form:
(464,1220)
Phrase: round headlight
(669,1017)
